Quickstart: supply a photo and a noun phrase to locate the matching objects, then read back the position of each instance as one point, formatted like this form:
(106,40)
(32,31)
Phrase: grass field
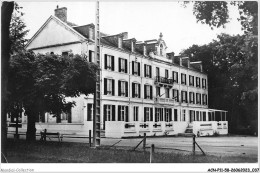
(54,152)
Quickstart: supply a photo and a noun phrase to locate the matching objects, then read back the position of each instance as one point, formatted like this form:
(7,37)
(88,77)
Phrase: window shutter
(145,89)
(138,68)
(90,55)
(145,70)
(151,114)
(126,89)
(133,90)
(126,114)
(170,116)
(113,87)
(145,114)
(113,113)
(133,67)
(150,74)
(119,88)
(105,61)
(151,92)
(164,114)
(113,63)
(119,64)
(89,112)
(139,90)
(177,95)
(105,112)
(125,66)
(177,77)
(119,113)
(105,86)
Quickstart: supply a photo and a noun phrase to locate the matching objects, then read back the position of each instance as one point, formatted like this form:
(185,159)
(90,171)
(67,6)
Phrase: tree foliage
(231,65)
(216,14)
(40,83)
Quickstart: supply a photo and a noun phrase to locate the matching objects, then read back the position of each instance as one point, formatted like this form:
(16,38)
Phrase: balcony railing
(164,100)
(163,80)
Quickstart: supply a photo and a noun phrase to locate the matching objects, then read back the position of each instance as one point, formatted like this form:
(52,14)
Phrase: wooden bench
(44,134)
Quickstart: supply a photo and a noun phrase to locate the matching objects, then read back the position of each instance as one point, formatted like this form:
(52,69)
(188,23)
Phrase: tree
(216,14)
(6,12)
(17,30)
(40,83)
(231,65)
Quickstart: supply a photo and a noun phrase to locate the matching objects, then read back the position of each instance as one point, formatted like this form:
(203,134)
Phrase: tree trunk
(6,12)
(31,130)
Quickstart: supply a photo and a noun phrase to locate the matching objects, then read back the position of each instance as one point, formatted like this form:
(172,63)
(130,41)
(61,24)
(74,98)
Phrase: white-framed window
(198,98)
(136,68)
(192,96)
(123,113)
(123,88)
(168,114)
(167,93)
(109,86)
(109,62)
(204,83)
(191,80)
(204,99)
(166,73)
(136,113)
(147,70)
(122,65)
(197,81)
(183,115)
(175,76)
(183,78)
(148,92)
(148,114)
(158,114)
(175,95)
(184,97)
(136,90)
(109,112)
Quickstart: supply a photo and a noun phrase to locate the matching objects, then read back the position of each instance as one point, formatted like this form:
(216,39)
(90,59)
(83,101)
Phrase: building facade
(144,89)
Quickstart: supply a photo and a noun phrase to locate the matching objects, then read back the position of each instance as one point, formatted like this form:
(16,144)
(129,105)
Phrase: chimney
(61,13)
(172,57)
(133,45)
(180,61)
(144,49)
(201,69)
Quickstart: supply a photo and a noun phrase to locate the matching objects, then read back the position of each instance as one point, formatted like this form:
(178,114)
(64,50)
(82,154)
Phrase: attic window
(161,49)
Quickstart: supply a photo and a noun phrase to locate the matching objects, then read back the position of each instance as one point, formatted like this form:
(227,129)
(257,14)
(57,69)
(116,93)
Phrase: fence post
(151,153)
(89,138)
(45,131)
(193,144)
(144,142)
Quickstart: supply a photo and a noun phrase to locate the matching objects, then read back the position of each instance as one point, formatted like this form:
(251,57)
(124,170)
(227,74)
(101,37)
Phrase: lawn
(54,152)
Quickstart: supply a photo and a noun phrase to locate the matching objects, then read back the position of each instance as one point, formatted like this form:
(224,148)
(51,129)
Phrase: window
(158,114)
(122,65)
(192,97)
(161,49)
(204,116)
(204,83)
(183,115)
(157,71)
(175,114)
(123,88)
(65,53)
(197,116)
(136,68)
(123,113)
(158,91)
(148,71)
(136,110)
(197,82)
(175,95)
(109,86)
(166,74)
(204,99)
(198,98)
(109,113)
(175,76)
(148,92)
(109,62)
(148,114)
(184,97)
(91,55)
(167,93)
(168,114)
(191,80)
(183,79)
(136,90)
(90,112)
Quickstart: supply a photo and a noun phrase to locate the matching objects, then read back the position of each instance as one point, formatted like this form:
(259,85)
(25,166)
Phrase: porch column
(207,118)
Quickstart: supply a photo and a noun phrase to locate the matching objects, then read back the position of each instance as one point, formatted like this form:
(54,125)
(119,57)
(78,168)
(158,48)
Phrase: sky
(143,20)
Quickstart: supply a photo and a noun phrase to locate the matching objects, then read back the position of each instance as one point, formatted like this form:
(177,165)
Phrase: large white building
(144,89)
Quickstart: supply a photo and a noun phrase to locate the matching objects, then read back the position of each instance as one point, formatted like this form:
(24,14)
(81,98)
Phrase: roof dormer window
(161,50)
